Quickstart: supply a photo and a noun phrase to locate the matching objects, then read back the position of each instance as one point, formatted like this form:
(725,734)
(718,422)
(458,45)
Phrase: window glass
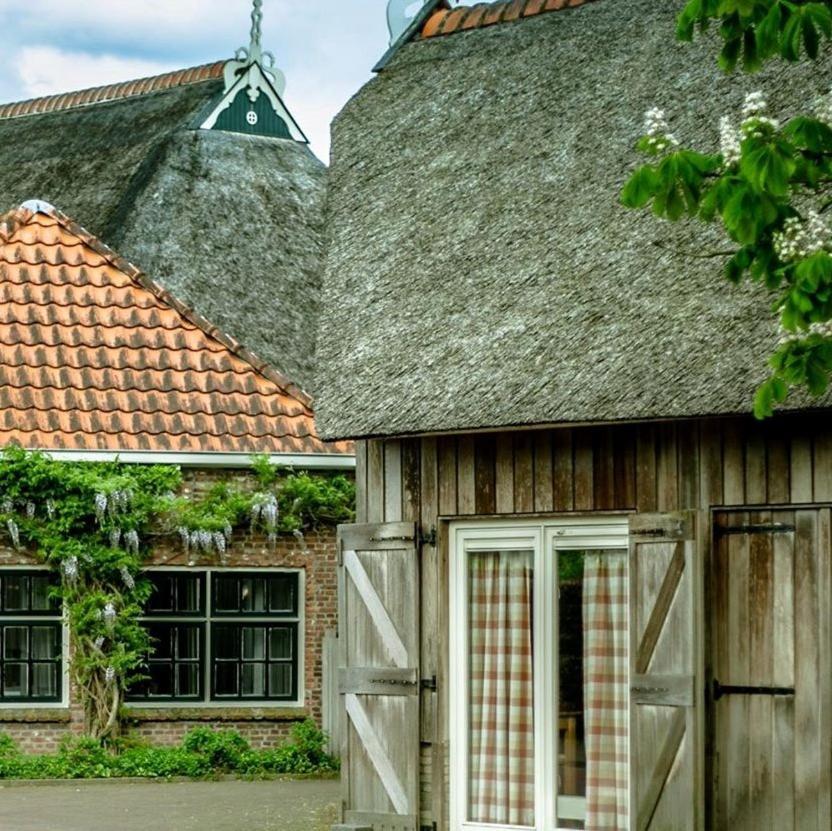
(16,593)
(501,688)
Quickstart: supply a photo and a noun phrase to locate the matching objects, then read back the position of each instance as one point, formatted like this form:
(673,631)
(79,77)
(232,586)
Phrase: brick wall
(40,730)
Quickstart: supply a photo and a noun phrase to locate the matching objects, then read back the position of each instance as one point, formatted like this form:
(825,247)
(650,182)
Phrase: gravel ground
(305,805)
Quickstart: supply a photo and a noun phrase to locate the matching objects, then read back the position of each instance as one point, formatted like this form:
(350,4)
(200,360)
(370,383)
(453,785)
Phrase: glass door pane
(593,683)
(501,756)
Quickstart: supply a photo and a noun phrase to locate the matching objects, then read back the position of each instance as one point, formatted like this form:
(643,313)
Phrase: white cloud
(44,70)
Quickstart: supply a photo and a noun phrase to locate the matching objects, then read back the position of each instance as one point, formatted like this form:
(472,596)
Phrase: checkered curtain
(606,691)
(501,750)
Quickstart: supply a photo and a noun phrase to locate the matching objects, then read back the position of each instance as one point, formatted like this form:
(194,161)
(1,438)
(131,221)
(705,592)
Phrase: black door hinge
(429,683)
(429,538)
(432,827)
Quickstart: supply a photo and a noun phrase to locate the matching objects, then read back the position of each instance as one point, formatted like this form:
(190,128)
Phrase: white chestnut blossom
(799,239)
(823,329)
(823,109)
(657,130)
(70,568)
(729,142)
(755,122)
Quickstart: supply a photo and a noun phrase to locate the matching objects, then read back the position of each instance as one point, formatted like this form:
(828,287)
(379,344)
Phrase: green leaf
(809,134)
(640,188)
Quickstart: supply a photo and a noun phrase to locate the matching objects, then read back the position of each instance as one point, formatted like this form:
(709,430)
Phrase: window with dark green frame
(31,638)
(222,636)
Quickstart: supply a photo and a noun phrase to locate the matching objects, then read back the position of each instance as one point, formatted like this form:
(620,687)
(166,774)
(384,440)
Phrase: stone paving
(305,805)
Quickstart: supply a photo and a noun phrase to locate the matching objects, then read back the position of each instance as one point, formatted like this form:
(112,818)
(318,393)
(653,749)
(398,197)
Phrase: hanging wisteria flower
(109,675)
(8,506)
(799,239)
(131,542)
(127,578)
(70,568)
(657,131)
(228,531)
(109,614)
(30,510)
(220,545)
(185,537)
(101,507)
(50,508)
(14,533)
(99,642)
(115,537)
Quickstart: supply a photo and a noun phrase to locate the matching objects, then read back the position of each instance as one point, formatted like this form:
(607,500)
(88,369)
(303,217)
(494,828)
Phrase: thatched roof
(230,224)
(481,272)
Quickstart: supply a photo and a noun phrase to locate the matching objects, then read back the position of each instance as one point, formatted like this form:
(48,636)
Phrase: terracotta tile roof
(463,18)
(96,356)
(112,92)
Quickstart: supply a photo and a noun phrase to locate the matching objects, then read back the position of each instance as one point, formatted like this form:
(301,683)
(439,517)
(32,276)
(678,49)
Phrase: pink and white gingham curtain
(606,691)
(501,746)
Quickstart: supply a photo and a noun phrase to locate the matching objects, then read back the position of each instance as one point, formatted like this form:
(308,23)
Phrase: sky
(326,48)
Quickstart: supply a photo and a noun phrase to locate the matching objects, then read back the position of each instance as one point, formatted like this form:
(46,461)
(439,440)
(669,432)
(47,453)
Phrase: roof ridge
(113,92)
(18,217)
(480,15)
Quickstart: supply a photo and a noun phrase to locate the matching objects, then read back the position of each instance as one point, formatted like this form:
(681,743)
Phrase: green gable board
(257,119)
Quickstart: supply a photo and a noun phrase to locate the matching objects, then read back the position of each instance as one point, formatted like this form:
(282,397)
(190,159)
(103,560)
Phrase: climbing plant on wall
(94,524)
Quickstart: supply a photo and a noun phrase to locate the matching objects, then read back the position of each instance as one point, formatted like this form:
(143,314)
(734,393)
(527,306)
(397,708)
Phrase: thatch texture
(229,224)
(481,272)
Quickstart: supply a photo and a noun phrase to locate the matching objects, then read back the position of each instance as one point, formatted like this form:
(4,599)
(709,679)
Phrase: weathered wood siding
(655,467)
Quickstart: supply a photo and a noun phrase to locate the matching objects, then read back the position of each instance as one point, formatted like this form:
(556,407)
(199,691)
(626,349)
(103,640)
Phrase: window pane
(593,722)
(282,593)
(44,643)
(15,593)
(225,680)
(15,643)
(501,694)
(225,594)
(161,680)
(280,680)
(188,677)
(254,643)
(226,642)
(15,681)
(188,598)
(40,594)
(280,643)
(253,594)
(44,681)
(161,598)
(254,680)
(161,634)
(187,643)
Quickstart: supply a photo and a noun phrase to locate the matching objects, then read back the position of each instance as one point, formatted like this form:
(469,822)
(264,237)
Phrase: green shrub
(203,752)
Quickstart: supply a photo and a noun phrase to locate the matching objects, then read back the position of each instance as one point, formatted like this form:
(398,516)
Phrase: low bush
(204,752)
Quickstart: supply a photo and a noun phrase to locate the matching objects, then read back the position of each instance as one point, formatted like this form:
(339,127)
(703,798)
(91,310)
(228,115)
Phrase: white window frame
(544,538)
(207,620)
(63,704)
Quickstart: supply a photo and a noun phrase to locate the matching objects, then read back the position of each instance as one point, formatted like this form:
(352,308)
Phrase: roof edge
(415,26)
(113,92)
(18,217)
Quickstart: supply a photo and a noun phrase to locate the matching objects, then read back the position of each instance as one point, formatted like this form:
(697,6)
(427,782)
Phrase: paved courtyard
(307,805)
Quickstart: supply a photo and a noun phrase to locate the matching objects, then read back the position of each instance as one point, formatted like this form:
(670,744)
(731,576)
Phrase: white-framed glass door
(539,685)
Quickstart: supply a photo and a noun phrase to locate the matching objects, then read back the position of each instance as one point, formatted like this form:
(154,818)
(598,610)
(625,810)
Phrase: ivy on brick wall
(93,524)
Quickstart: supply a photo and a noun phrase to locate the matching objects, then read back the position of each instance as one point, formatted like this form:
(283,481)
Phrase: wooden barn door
(379,675)
(665,756)
(770,696)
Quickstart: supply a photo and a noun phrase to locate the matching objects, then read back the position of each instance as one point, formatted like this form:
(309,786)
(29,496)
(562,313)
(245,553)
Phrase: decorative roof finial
(255,54)
(255,49)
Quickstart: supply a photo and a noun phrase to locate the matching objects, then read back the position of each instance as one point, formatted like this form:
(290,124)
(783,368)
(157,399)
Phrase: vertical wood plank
(523,473)
(755,465)
(392,481)
(504,474)
(543,487)
(466,476)
(667,468)
(411,479)
(778,469)
(446,448)
(564,480)
(800,467)
(375,481)
(485,474)
(603,469)
(822,467)
(733,460)
(584,470)
(361,481)
(710,466)
(646,474)
(624,449)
